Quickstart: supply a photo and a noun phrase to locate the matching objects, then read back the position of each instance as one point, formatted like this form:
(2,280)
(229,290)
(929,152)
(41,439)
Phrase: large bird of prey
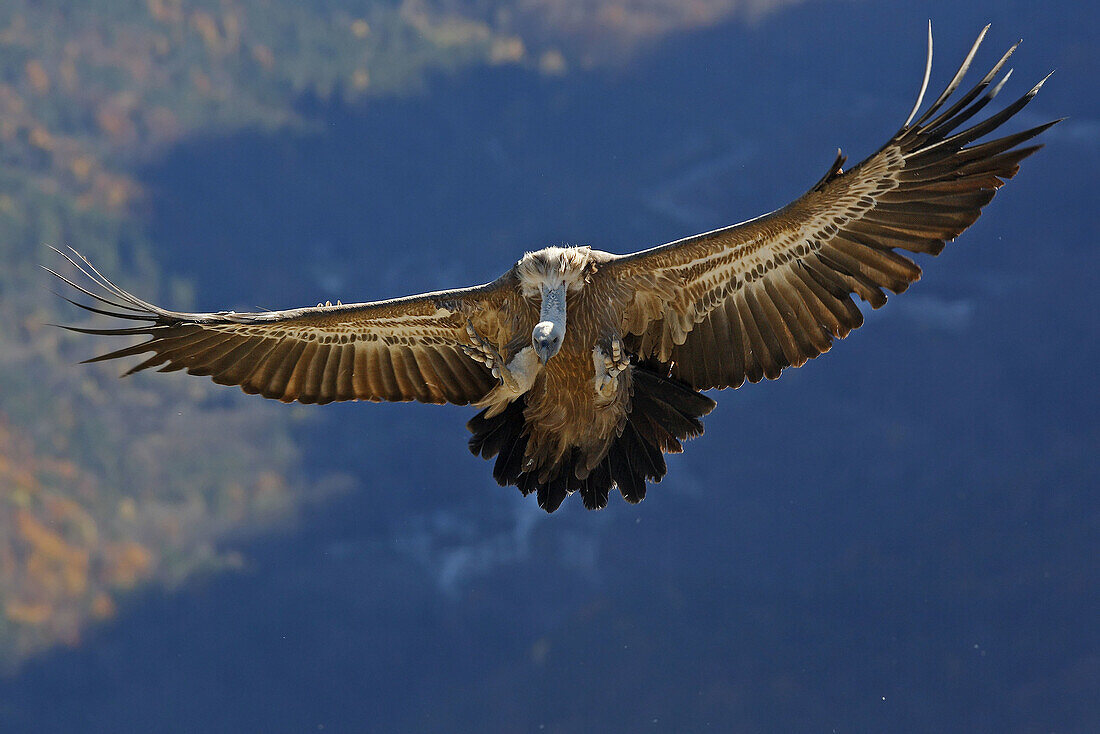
(588,366)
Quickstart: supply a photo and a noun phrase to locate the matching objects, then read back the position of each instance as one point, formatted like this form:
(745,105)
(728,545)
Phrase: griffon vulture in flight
(588,366)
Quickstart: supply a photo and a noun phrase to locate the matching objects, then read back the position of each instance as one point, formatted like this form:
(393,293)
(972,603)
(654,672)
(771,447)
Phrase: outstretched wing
(397,350)
(748,300)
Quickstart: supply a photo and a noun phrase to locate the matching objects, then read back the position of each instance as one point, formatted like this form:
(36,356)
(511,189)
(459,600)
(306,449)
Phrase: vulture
(588,367)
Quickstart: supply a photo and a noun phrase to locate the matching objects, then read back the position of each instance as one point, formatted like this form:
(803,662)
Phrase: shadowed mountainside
(108,485)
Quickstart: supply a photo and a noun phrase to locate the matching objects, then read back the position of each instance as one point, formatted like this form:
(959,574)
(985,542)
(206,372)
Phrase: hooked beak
(546,340)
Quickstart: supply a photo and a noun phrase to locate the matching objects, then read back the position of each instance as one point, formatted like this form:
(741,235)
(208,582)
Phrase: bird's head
(547,277)
(546,338)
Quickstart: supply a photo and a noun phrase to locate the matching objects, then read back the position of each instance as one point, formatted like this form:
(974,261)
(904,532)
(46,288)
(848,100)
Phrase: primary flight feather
(588,366)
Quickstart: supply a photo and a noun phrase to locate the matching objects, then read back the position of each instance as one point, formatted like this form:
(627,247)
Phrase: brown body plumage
(588,365)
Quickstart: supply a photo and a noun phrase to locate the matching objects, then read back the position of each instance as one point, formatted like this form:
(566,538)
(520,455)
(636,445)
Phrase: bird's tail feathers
(663,413)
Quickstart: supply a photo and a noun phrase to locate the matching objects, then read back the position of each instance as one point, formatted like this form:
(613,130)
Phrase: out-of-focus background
(900,536)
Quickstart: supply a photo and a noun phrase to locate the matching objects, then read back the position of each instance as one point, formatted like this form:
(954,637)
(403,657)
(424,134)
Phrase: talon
(484,352)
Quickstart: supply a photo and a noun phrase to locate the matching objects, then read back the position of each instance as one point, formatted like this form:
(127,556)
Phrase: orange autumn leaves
(57,566)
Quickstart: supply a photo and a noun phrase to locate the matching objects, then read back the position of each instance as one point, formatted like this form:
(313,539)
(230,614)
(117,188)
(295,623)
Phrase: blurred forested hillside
(105,485)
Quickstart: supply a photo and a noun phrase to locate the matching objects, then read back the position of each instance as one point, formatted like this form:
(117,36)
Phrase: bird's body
(588,366)
(561,427)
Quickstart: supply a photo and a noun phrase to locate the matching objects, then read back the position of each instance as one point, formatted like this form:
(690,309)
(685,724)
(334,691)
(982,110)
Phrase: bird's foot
(609,365)
(481,350)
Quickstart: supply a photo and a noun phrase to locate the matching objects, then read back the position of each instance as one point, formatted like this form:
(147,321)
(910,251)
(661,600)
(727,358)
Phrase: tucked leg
(481,350)
(516,377)
(609,364)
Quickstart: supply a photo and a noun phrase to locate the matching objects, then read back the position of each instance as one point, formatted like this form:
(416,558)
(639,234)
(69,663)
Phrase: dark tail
(663,413)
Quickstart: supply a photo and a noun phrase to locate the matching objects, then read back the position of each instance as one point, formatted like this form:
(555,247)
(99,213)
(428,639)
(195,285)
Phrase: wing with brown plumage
(746,301)
(398,350)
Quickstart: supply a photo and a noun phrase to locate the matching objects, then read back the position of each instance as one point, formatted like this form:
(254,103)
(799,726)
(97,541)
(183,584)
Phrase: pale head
(549,275)
(547,338)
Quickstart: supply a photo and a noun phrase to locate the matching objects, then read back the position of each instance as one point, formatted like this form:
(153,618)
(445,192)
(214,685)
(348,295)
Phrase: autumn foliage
(106,485)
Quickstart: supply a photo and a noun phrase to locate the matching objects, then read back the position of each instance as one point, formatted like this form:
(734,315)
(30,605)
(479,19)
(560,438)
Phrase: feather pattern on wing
(746,301)
(397,350)
(645,333)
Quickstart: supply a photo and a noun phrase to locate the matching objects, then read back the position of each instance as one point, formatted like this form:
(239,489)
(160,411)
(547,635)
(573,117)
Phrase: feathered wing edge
(762,314)
(311,355)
